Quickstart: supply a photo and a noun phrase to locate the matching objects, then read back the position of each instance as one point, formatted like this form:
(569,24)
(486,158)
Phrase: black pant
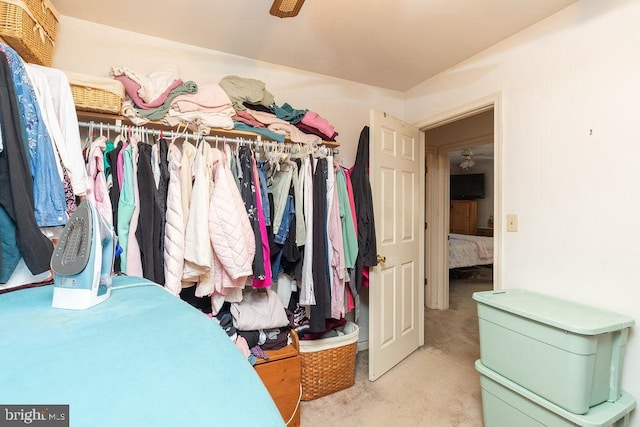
(321,282)
(16,187)
(149,233)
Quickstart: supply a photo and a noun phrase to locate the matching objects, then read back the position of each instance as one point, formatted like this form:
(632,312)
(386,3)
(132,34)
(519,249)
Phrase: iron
(82,261)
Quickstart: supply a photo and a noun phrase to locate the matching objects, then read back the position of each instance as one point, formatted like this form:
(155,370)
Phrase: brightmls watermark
(35,415)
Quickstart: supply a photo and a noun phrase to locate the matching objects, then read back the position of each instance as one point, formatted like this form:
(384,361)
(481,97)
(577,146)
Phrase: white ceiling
(393,44)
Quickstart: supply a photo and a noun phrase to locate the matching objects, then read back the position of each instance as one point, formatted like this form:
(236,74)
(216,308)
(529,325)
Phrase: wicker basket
(45,14)
(98,100)
(19,28)
(329,365)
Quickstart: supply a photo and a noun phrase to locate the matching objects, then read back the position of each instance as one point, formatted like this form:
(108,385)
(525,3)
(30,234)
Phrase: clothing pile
(234,103)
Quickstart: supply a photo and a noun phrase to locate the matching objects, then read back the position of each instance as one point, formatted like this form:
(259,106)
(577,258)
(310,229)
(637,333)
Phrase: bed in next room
(469,251)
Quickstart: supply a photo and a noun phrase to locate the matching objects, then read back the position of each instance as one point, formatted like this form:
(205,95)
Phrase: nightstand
(281,375)
(487,232)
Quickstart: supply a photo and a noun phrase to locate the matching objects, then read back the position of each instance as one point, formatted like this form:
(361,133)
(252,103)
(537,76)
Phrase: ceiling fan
(467,157)
(467,161)
(286,8)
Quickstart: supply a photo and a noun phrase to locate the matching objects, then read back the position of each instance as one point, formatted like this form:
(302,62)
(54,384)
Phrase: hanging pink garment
(99,193)
(120,162)
(352,203)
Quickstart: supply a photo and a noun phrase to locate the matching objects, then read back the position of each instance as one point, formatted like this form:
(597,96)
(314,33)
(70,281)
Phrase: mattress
(469,251)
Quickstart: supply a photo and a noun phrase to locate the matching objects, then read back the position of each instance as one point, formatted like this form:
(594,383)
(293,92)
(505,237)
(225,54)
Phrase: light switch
(512,222)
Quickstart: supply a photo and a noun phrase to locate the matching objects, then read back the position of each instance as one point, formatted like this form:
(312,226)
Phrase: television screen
(467,187)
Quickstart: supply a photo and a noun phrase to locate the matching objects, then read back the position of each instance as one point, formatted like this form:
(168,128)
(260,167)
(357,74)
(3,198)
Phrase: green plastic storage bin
(567,353)
(506,404)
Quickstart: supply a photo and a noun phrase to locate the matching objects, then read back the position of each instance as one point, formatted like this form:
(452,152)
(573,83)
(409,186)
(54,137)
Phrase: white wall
(89,48)
(570,90)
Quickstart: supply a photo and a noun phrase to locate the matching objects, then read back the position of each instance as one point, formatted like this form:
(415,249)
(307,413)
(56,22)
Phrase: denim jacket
(48,190)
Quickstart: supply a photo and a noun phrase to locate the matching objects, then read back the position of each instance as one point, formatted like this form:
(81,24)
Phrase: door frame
(437,215)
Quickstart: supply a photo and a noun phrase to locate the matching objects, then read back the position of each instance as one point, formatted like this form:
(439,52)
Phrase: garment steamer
(82,261)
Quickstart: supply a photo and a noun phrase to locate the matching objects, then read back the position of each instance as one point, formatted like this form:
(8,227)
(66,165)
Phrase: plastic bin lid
(560,313)
(604,414)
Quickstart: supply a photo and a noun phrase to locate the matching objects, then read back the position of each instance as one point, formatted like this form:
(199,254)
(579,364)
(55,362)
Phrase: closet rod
(98,126)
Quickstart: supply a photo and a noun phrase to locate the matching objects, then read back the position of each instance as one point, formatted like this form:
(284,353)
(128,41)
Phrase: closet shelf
(229,133)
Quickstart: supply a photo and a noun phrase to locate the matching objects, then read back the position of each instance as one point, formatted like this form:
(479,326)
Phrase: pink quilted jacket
(230,231)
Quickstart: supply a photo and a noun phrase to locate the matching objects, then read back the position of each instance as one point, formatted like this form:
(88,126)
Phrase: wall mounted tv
(467,187)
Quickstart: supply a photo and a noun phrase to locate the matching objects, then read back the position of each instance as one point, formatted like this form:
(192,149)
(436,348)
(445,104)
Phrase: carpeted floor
(436,386)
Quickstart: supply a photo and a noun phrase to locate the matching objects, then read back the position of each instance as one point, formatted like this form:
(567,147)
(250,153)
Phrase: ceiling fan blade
(286,8)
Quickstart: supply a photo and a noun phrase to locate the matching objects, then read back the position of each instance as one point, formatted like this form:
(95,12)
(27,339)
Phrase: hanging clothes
(336,248)
(163,189)
(367,250)
(231,234)
(320,311)
(44,99)
(149,233)
(279,188)
(264,192)
(126,203)
(307,296)
(243,248)
(174,226)
(16,191)
(248,193)
(197,246)
(63,126)
(48,191)
(349,236)
(261,281)
(9,252)
(134,256)
(114,195)
(186,177)
(98,192)
(298,196)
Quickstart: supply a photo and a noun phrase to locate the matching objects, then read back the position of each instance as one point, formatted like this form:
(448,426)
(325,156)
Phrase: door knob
(381,259)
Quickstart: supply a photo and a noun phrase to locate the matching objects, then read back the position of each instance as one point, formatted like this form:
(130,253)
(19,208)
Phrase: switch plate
(512,222)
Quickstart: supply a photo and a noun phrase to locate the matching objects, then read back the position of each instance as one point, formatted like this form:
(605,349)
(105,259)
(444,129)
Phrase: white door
(396,297)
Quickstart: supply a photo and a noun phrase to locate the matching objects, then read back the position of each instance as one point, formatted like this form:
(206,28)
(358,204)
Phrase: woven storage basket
(45,14)
(93,99)
(329,365)
(20,29)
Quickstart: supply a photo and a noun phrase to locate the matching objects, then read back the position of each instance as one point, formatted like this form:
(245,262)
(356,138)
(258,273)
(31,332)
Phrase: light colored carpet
(437,385)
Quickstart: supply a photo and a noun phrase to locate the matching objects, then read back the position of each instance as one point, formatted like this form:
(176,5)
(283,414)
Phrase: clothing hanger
(119,138)
(89,139)
(320,152)
(296,151)
(178,133)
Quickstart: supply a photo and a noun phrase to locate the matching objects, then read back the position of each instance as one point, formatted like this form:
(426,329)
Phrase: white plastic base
(77,299)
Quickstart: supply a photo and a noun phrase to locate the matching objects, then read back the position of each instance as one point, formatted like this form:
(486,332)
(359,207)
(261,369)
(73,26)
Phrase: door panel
(396,314)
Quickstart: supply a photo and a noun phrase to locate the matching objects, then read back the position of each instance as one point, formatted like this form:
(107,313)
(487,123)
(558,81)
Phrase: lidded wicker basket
(30,28)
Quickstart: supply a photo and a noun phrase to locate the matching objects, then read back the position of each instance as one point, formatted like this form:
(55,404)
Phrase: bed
(469,251)
(141,358)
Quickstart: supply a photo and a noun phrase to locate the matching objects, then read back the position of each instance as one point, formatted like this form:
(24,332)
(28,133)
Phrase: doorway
(472,127)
